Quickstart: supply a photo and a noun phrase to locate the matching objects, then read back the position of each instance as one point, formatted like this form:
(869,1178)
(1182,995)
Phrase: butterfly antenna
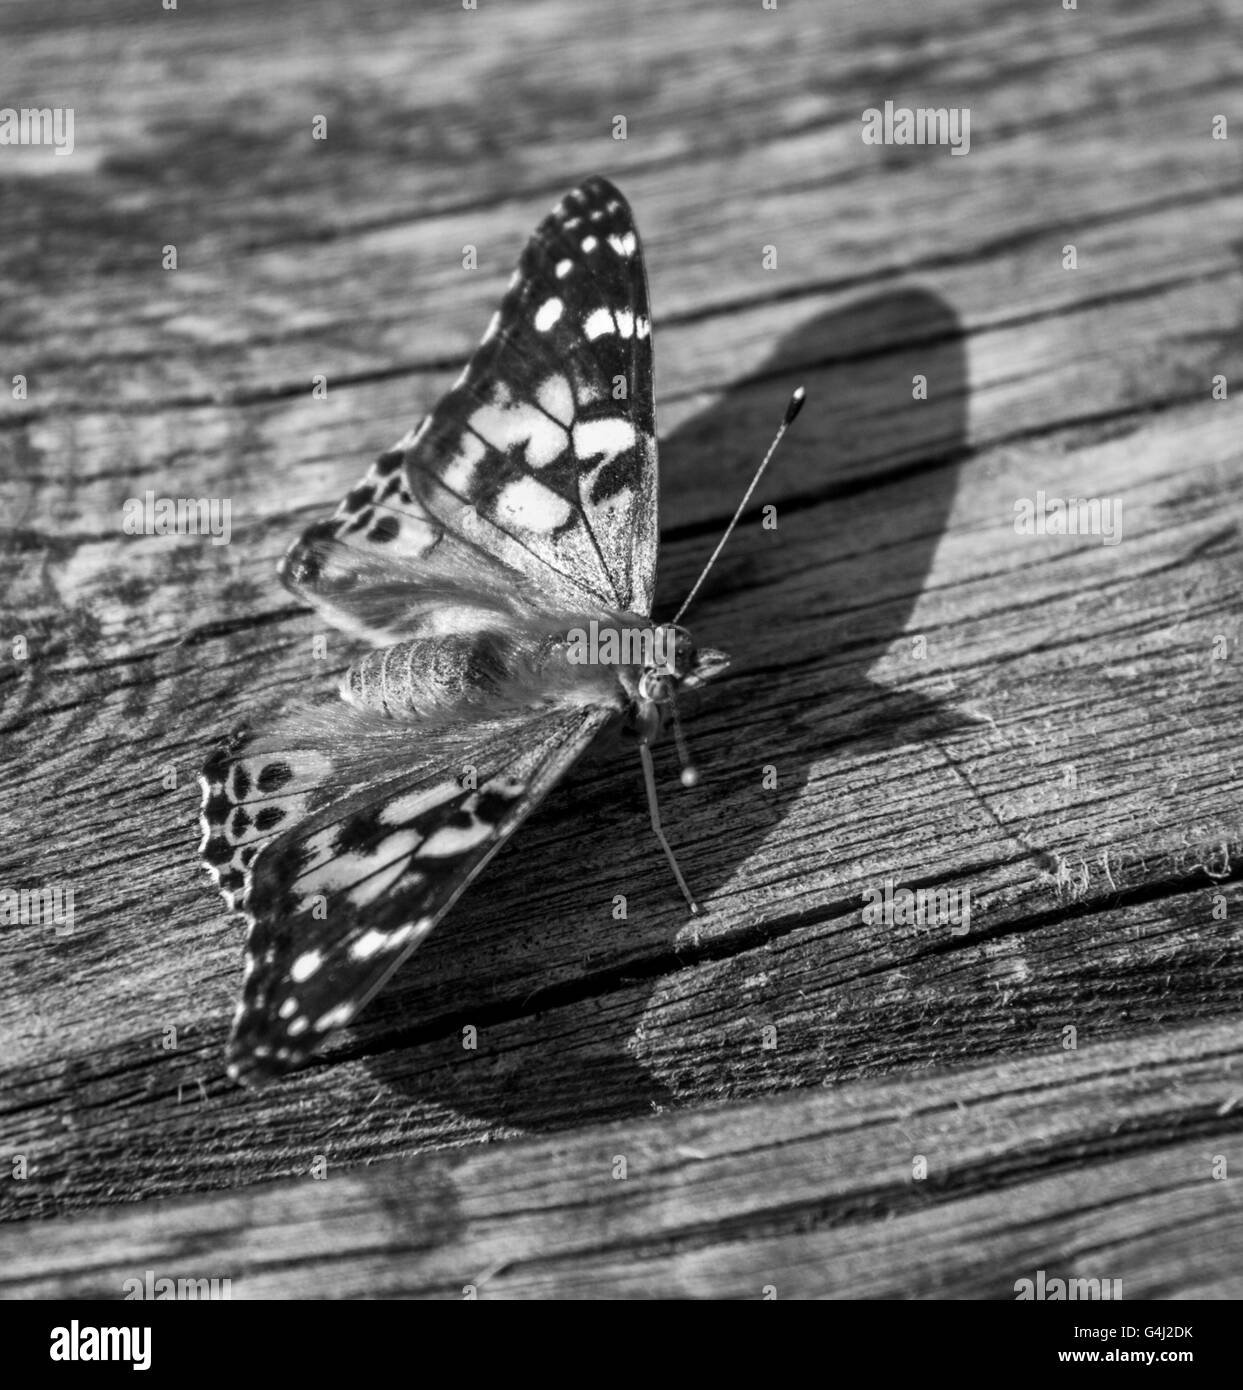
(649,779)
(792,410)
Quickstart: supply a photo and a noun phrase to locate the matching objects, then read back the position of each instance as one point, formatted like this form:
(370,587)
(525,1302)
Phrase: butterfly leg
(649,778)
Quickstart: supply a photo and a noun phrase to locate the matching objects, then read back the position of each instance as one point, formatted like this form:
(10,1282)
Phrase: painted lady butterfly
(476,555)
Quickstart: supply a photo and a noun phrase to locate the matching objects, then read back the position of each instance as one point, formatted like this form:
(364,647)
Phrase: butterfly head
(678,665)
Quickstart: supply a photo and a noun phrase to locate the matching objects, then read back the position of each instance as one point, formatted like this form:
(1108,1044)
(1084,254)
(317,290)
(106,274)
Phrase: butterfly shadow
(565,1053)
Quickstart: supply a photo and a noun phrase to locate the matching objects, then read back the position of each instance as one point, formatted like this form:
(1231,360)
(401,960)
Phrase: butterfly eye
(678,648)
(656,687)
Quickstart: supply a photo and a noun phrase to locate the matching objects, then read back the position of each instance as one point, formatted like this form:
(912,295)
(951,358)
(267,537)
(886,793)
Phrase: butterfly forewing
(533,483)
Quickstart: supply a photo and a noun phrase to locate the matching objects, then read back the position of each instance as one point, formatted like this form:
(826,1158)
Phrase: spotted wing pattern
(341,877)
(533,483)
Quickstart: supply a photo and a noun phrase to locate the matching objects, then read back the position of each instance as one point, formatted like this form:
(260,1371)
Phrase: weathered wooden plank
(689,1025)
(248,318)
(1064,747)
(919,786)
(1111,1164)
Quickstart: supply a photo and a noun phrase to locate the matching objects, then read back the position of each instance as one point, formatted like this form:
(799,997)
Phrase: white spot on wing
(598,323)
(306,965)
(545,444)
(451,839)
(372,942)
(505,426)
(363,875)
(564,268)
(625,323)
(555,396)
(548,314)
(369,944)
(610,437)
(405,808)
(589,244)
(527,503)
(370,888)
(334,1018)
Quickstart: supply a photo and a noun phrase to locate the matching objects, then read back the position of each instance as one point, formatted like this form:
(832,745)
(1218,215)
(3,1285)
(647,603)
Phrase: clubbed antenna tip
(795,405)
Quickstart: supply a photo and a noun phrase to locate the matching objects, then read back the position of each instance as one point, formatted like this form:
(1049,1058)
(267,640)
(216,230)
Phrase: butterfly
(501,561)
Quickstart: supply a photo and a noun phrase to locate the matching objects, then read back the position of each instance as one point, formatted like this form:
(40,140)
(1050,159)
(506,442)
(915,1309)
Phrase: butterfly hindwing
(339,897)
(533,482)
(257,786)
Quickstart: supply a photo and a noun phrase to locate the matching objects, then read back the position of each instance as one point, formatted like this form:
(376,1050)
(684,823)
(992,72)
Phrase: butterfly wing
(341,877)
(533,483)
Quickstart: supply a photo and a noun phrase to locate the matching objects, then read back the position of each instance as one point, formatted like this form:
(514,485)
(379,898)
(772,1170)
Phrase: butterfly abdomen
(477,675)
(427,676)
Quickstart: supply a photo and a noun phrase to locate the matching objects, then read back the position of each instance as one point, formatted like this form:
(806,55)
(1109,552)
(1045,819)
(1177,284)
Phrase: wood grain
(1104,1164)
(1047,721)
